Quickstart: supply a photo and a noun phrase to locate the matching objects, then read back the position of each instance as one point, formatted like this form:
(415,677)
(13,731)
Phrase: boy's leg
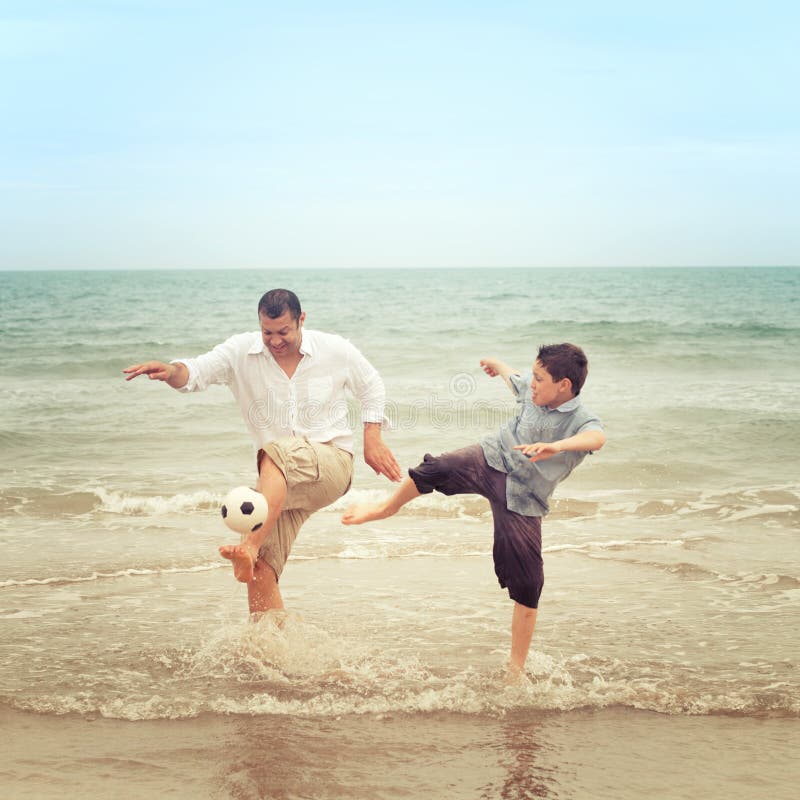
(523,621)
(517,555)
(366,512)
(456,472)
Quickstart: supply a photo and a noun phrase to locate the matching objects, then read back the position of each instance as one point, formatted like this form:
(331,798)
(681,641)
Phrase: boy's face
(547,392)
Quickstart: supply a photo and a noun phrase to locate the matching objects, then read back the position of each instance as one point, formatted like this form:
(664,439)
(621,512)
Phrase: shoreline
(612,753)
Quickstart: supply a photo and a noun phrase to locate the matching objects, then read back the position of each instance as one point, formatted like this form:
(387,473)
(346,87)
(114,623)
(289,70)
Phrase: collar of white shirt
(306,346)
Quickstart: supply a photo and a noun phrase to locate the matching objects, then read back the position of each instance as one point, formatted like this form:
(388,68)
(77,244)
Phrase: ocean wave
(258,676)
(120,503)
(637,329)
(778,505)
(100,576)
(769,504)
(624,545)
(43,501)
(428,505)
(21,439)
(768,582)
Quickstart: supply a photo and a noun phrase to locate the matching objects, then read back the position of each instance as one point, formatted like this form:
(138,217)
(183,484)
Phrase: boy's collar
(569,405)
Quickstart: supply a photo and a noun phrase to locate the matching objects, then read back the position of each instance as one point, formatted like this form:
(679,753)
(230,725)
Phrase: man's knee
(268,469)
(264,574)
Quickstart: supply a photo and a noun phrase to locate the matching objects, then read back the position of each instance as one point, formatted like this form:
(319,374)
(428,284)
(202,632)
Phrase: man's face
(544,390)
(282,335)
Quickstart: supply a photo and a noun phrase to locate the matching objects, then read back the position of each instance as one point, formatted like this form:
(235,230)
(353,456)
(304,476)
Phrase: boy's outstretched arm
(494,366)
(587,441)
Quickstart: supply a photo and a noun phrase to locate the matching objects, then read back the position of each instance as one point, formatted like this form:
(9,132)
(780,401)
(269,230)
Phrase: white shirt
(311,403)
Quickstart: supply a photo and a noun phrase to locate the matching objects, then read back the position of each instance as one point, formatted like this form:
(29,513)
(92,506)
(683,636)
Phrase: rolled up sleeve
(521,385)
(216,366)
(367,387)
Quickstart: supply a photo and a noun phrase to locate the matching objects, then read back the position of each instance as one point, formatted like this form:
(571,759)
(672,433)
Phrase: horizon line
(410,267)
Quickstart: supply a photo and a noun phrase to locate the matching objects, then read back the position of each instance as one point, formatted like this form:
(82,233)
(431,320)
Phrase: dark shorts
(517,539)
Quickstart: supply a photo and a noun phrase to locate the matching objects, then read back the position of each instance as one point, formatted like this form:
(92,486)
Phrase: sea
(666,658)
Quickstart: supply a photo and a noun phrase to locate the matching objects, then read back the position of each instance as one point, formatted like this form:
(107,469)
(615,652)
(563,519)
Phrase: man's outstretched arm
(175,374)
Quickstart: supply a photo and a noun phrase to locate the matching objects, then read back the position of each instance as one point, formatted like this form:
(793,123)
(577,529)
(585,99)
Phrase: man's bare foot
(243,559)
(355,515)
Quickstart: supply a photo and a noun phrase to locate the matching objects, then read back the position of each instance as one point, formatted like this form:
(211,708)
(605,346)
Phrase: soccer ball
(244,510)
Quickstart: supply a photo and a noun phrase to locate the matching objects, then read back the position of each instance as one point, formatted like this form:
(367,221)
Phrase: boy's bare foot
(355,515)
(515,675)
(243,559)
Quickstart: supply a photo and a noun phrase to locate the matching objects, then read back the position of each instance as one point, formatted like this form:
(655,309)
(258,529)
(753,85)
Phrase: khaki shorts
(316,475)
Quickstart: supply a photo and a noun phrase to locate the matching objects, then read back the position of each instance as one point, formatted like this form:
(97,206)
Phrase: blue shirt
(530,484)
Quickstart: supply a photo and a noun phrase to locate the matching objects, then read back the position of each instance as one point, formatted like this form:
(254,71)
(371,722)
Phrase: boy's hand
(490,367)
(494,366)
(539,451)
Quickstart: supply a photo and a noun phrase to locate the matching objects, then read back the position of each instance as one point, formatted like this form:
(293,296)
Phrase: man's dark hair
(277,302)
(565,361)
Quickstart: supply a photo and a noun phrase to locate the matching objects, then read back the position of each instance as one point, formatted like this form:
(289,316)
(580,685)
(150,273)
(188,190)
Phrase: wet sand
(613,753)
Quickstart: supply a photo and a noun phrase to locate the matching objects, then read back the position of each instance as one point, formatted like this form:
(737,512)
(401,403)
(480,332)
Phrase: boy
(516,469)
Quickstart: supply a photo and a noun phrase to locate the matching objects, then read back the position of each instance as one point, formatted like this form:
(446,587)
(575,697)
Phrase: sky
(174,134)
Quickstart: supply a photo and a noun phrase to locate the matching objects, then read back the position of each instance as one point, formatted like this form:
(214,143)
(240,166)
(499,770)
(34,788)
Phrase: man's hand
(378,455)
(155,370)
(175,375)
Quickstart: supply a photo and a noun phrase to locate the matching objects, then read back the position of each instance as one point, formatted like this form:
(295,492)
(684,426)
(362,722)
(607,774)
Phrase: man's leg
(272,485)
(366,512)
(263,593)
(523,621)
(318,474)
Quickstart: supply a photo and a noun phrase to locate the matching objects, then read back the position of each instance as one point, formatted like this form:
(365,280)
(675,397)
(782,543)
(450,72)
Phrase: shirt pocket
(320,390)
(533,427)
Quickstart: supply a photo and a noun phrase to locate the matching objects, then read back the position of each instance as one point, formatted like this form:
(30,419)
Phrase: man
(290,383)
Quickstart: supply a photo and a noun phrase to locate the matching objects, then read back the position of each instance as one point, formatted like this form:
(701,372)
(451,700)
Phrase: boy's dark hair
(565,361)
(277,301)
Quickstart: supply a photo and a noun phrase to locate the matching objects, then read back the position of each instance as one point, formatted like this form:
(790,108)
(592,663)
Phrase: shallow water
(667,629)
(585,754)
